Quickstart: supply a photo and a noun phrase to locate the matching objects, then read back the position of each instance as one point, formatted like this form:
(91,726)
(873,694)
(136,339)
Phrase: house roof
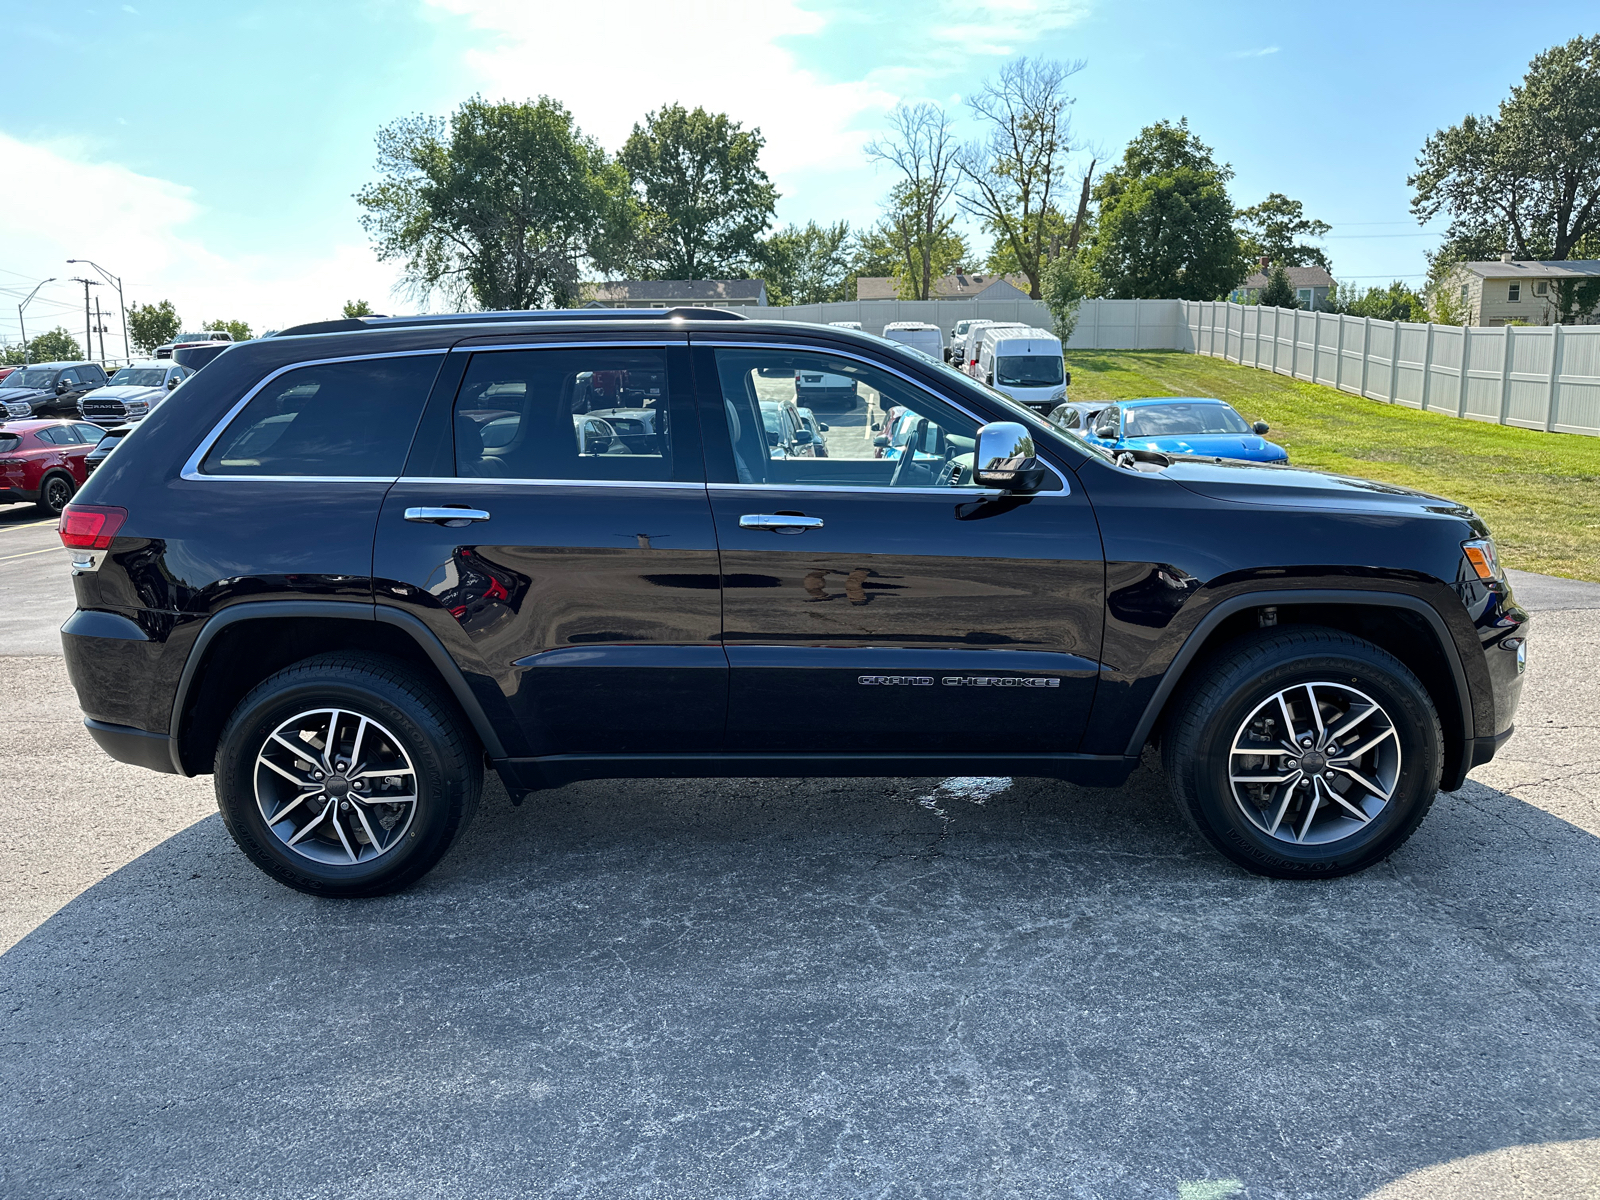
(615,290)
(1574,268)
(949,287)
(1299,277)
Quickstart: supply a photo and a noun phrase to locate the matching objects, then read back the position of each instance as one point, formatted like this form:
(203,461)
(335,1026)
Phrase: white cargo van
(1023,363)
(958,338)
(969,349)
(919,335)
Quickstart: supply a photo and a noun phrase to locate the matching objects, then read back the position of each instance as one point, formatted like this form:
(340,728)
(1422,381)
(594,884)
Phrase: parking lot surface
(916,988)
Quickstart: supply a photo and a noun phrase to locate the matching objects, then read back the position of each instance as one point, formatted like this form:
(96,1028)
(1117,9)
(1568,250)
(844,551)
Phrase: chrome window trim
(191,469)
(1066,488)
(869,490)
(657,343)
(501,481)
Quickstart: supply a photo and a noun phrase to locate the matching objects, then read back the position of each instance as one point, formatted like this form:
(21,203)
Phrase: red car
(4,371)
(42,461)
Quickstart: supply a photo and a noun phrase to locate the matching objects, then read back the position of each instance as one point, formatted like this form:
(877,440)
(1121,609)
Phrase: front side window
(1028,370)
(882,430)
(593,413)
(350,419)
(70,378)
(1180,419)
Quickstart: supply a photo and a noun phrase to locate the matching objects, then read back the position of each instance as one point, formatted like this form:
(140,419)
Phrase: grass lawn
(1539,492)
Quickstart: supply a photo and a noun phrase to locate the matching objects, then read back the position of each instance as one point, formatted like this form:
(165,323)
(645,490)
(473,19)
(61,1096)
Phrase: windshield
(140,376)
(29,379)
(1028,370)
(1177,419)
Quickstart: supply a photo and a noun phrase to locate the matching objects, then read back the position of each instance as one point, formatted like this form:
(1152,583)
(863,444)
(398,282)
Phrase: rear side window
(340,420)
(595,413)
(9,442)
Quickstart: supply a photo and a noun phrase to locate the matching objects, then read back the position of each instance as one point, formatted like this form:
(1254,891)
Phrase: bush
(1278,293)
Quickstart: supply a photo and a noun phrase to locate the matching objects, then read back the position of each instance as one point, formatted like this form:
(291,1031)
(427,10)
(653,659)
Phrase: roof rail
(351,324)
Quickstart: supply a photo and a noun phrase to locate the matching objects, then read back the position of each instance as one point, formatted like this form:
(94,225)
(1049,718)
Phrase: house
(1311,286)
(957,286)
(674,293)
(1511,291)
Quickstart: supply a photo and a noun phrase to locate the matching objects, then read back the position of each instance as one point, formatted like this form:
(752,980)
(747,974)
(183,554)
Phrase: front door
(580,580)
(881,603)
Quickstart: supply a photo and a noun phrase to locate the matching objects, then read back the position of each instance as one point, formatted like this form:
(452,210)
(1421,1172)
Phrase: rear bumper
(138,747)
(18,496)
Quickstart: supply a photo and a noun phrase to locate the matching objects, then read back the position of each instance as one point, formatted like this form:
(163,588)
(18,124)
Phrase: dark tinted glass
(591,413)
(343,419)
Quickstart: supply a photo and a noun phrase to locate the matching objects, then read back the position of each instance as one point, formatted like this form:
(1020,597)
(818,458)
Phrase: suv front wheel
(345,775)
(1304,753)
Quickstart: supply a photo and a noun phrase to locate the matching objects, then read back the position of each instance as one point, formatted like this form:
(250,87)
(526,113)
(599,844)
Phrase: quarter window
(593,413)
(349,419)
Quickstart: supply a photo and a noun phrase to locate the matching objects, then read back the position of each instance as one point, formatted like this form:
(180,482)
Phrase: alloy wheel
(336,787)
(1314,763)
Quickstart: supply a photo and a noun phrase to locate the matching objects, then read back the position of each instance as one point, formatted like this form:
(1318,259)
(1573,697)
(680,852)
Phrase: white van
(958,338)
(919,335)
(844,324)
(968,361)
(1023,363)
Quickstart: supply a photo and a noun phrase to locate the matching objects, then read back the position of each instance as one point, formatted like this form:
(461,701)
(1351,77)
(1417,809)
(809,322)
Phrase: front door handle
(779,522)
(450,518)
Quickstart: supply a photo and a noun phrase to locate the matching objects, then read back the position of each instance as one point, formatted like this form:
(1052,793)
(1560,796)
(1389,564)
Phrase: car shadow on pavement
(811,988)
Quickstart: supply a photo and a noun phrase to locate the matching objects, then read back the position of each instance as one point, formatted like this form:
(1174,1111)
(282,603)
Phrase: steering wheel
(900,467)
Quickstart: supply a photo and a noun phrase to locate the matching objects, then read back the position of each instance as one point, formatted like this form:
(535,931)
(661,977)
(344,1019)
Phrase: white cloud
(139,226)
(1262,53)
(999,27)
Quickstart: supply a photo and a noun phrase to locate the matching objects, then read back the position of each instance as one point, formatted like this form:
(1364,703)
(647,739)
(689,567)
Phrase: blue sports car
(1195,425)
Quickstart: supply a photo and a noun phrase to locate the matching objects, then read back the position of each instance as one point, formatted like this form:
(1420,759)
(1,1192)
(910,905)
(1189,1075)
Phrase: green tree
(1067,280)
(806,265)
(357,308)
(239,331)
(1011,181)
(1003,260)
(1165,227)
(1397,302)
(1272,228)
(152,325)
(705,200)
(918,260)
(873,254)
(498,205)
(56,346)
(1527,178)
(1279,292)
(922,148)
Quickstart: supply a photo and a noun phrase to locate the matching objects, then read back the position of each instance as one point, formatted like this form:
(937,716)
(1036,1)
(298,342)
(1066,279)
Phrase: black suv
(346,568)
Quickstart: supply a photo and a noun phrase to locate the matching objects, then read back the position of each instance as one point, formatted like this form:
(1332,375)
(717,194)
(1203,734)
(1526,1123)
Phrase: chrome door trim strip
(958,493)
(496,481)
(191,469)
(713,342)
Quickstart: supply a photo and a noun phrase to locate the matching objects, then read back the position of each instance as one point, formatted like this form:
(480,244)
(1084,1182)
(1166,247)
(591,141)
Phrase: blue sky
(208,152)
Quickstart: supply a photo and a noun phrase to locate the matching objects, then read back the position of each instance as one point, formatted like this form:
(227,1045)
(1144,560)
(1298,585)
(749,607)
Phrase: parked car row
(68,389)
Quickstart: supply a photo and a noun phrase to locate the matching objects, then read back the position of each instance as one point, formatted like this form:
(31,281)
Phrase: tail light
(90,526)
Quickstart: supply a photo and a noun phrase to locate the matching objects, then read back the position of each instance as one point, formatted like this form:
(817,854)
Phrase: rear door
(874,603)
(580,584)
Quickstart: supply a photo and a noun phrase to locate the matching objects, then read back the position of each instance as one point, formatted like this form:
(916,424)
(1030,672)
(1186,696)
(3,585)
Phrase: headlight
(1059,394)
(1485,559)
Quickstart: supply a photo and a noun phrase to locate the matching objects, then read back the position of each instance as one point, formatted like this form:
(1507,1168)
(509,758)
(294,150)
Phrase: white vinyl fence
(1533,376)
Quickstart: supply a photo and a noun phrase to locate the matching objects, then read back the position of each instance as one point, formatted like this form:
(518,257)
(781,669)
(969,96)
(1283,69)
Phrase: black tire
(1213,707)
(445,761)
(55,493)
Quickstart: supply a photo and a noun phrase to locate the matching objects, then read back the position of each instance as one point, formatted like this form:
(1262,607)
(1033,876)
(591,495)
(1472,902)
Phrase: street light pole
(115,281)
(23,327)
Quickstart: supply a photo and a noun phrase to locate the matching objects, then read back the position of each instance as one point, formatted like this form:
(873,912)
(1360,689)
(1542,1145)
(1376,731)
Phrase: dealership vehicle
(919,335)
(844,324)
(109,440)
(206,337)
(787,434)
(4,371)
(819,444)
(296,575)
(132,392)
(824,389)
(1193,425)
(968,362)
(42,461)
(958,338)
(49,389)
(1025,364)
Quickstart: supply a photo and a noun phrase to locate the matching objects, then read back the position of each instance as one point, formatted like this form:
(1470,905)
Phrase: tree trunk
(1083,212)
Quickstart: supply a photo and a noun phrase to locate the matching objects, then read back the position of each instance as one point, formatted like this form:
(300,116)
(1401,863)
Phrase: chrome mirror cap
(1005,459)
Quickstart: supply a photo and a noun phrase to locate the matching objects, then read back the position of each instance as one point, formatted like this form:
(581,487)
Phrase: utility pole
(100,328)
(115,281)
(20,325)
(88,330)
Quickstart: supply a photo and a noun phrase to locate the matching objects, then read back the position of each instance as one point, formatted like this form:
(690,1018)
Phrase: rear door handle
(779,522)
(451,518)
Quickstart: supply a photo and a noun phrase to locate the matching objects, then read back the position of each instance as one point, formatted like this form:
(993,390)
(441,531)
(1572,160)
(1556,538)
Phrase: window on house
(1466,296)
(1541,289)
(1305,295)
(1514,293)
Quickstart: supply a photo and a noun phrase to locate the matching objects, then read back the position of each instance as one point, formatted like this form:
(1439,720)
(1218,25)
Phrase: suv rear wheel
(345,775)
(1304,753)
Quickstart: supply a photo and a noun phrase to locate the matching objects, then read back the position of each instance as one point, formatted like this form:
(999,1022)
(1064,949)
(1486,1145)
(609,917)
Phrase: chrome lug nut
(1293,764)
(316,774)
(1305,741)
(1329,775)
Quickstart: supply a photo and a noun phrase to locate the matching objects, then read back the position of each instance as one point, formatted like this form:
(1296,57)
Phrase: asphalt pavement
(745,988)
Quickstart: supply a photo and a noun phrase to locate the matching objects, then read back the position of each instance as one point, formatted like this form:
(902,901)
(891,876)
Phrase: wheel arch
(242,645)
(1408,627)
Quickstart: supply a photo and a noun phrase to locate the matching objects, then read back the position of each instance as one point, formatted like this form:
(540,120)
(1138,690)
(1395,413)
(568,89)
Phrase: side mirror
(822,427)
(989,378)
(881,441)
(876,426)
(1106,432)
(802,437)
(1005,459)
(1261,427)
(947,354)
(62,386)
(173,382)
